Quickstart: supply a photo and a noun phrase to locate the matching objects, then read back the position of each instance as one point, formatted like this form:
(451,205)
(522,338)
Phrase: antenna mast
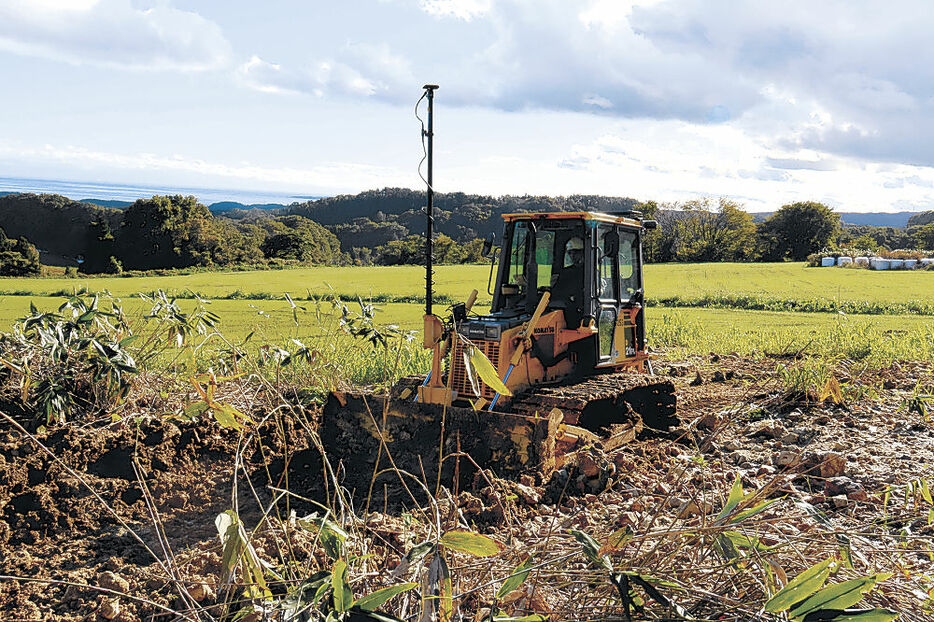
(429,228)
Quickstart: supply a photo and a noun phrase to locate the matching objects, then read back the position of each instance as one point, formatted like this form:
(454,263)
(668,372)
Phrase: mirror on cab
(488,245)
(650,224)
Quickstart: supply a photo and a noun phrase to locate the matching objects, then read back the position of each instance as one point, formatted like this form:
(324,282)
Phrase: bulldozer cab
(590,263)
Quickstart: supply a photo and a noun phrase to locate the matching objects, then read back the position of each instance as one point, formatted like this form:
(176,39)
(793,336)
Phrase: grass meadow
(254,302)
(792,281)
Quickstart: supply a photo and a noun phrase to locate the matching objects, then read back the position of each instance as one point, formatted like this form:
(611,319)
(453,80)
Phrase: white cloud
(112,33)
(324,177)
(460,9)
(358,70)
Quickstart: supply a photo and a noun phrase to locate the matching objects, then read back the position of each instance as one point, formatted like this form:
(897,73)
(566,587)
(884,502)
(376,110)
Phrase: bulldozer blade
(435,444)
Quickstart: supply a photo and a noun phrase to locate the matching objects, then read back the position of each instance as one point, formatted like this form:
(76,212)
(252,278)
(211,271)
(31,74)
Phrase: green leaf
(377,598)
(865,615)
(616,540)
(736,496)
(800,587)
(439,597)
(516,579)
(471,543)
(196,409)
(838,596)
(748,512)
(592,549)
(225,416)
(926,491)
(376,616)
(331,535)
(343,597)
(229,532)
(487,372)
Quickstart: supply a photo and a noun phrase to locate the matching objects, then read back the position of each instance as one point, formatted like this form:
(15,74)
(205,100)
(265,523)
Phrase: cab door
(606,294)
(630,325)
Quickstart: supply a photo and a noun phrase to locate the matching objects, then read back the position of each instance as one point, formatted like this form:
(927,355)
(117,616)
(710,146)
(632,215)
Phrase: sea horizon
(102,191)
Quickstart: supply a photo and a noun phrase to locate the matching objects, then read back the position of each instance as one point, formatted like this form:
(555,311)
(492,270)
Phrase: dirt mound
(53,527)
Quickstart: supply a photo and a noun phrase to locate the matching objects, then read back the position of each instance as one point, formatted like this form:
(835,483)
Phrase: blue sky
(765,103)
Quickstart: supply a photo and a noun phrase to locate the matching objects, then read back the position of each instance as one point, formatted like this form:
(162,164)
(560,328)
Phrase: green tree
(18,257)
(301,239)
(923,236)
(157,232)
(721,232)
(797,230)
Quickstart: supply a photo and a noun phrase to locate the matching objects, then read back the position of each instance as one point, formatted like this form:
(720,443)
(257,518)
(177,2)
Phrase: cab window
(517,255)
(606,266)
(628,264)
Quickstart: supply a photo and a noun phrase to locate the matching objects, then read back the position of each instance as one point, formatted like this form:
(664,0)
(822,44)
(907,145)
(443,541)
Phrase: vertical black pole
(429,229)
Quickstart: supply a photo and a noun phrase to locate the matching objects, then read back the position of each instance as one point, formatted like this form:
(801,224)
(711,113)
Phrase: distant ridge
(899,220)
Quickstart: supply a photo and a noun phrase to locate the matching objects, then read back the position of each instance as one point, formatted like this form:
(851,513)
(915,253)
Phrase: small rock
(766,429)
(786,458)
(691,508)
(708,421)
(528,494)
(110,581)
(110,608)
(832,464)
(842,485)
(588,466)
(674,502)
(697,380)
(718,376)
(790,438)
(201,592)
(840,501)
(765,469)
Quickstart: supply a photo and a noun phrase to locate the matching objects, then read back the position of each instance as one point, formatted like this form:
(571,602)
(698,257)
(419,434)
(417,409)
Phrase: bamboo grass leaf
(516,579)
(838,596)
(471,543)
(487,372)
(801,587)
(379,597)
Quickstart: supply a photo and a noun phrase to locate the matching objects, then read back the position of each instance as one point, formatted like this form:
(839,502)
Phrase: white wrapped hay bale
(927,261)
(878,263)
(896,264)
(844,261)
(862,261)
(826,262)
(911,264)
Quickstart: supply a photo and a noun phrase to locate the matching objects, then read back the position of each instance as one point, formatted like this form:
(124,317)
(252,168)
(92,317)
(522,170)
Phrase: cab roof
(585,216)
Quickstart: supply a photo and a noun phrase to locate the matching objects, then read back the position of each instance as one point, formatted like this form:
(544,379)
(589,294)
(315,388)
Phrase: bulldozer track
(601,401)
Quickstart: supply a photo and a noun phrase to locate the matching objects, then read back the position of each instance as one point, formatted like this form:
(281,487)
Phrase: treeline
(161,232)
(707,230)
(381,226)
(385,227)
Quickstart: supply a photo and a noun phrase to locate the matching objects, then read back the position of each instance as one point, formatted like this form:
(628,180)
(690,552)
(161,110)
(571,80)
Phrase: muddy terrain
(118,521)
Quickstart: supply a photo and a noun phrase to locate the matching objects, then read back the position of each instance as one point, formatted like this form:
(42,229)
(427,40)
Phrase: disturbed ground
(119,522)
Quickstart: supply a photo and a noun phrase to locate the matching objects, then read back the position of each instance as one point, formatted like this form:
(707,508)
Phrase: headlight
(492,332)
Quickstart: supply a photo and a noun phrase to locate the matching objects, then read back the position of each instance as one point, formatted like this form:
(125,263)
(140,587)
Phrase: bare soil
(67,553)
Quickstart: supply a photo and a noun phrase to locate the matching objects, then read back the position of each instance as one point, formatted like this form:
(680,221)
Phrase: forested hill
(376,217)
(59,226)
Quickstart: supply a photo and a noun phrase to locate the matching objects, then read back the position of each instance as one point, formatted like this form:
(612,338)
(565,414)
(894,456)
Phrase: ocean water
(120,192)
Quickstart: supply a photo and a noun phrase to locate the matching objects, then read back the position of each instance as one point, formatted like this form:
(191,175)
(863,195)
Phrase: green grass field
(698,329)
(780,280)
